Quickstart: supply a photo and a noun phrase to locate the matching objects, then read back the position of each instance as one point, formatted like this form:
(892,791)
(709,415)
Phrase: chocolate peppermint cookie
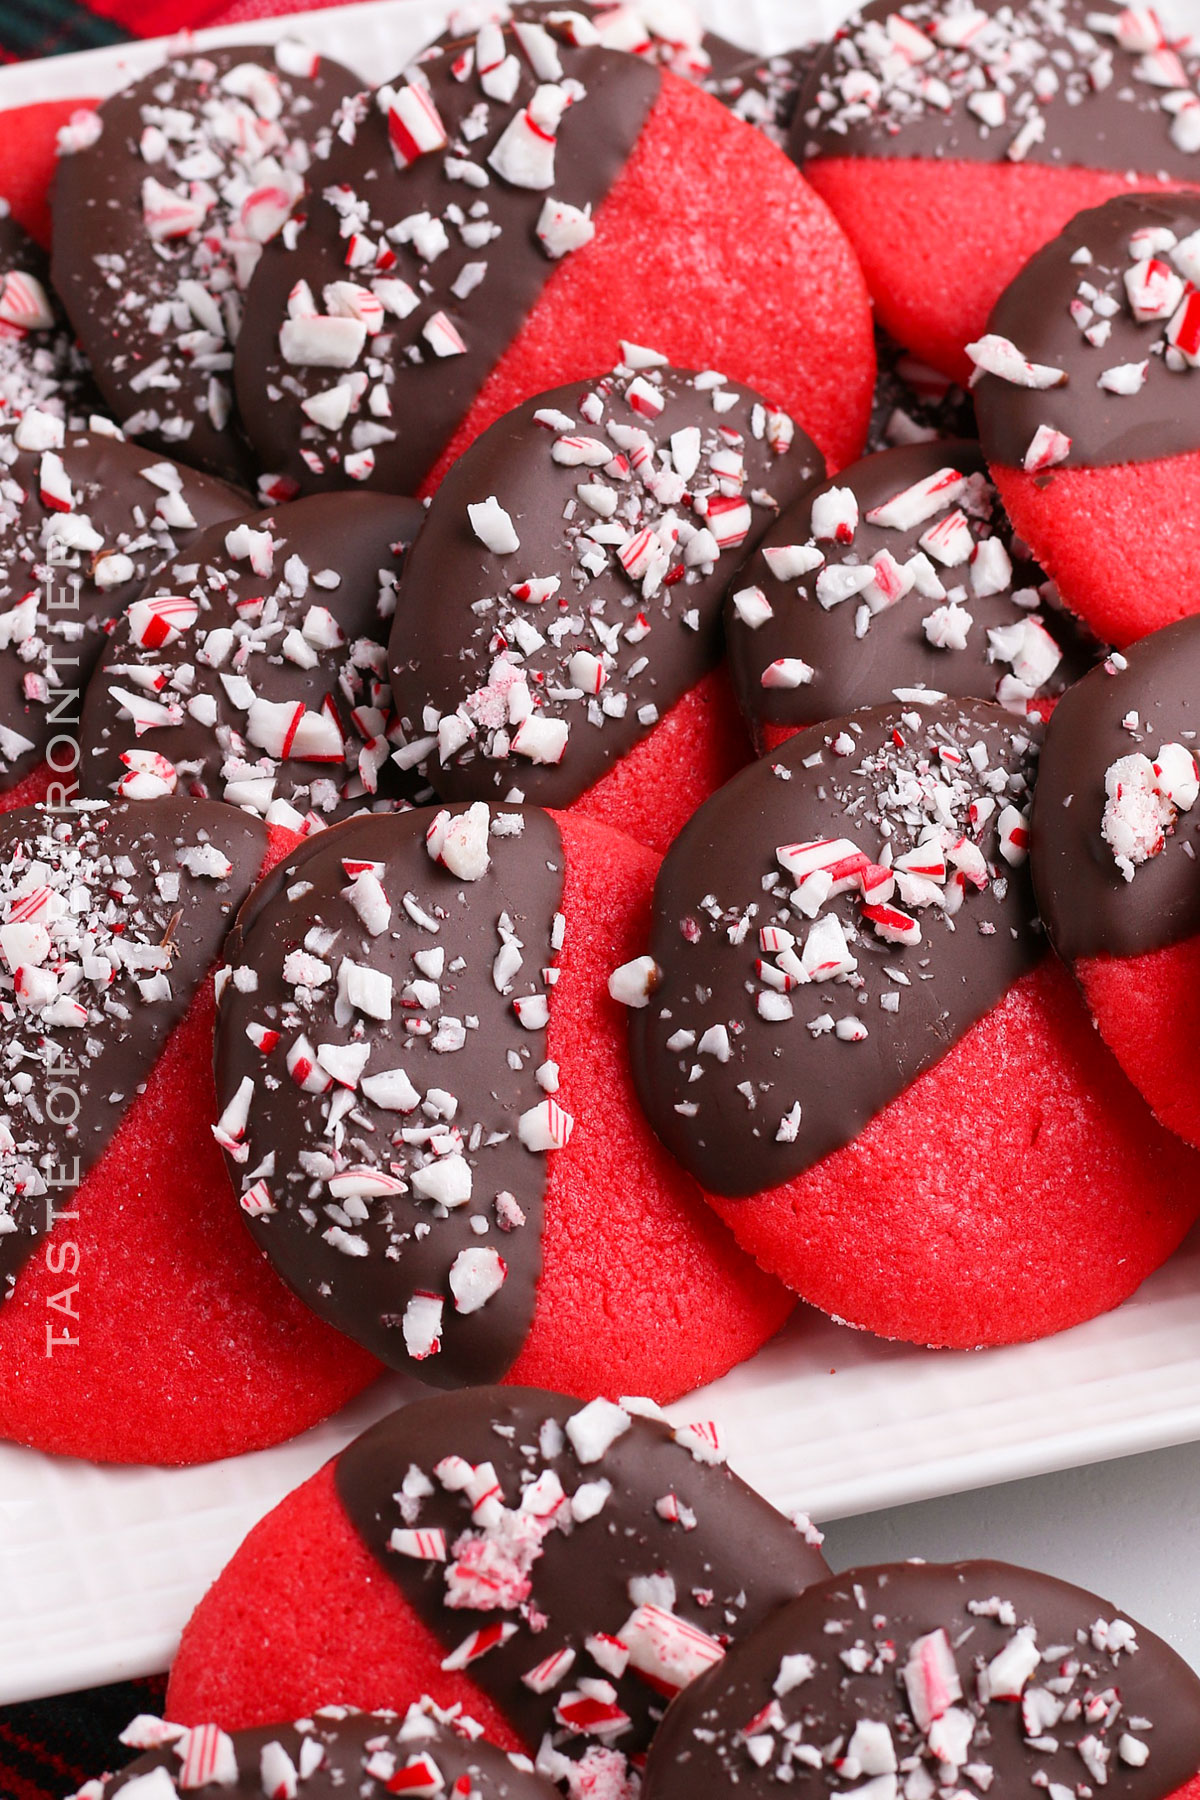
(1084,386)
(561,1570)
(953,138)
(135,1323)
(864,1142)
(563,600)
(500,205)
(161,211)
(253,669)
(84,520)
(927,1673)
(428,1113)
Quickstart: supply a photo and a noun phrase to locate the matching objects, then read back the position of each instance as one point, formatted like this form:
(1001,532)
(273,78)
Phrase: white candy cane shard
(23,302)
(208,1758)
(562,228)
(493,526)
(788,561)
(524,153)
(994,355)
(835,516)
(414,124)
(1005,1676)
(546,1126)
(162,620)
(752,607)
(1047,448)
(325,341)
(421,1546)
(920,502)
(476,1275)
(634,982)
(595,1428)
(1124,378)
(666,1650)
(422,1327)
(1154,290)
(459,841)
(787,672)
(931,1678)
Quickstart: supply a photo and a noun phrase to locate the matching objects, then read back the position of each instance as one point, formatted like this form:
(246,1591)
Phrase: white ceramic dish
(99,1568)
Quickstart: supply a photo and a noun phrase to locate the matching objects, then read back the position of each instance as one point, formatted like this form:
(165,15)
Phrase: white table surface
(1128,1530)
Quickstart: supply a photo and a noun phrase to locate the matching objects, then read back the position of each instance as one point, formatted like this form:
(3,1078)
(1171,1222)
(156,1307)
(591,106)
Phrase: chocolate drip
(1088,907)
(59,644)
(456,613)
(357,1750)
(339,554)
(429,393)
(153,921)
(455,1035)
(859,657)
(728,1571)
(851,1638)
(1057,107)
(1160,419)
(734,1124)
(112,273)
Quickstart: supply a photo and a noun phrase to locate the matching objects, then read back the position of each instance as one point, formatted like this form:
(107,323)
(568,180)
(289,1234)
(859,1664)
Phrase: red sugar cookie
(253,668)
(84,519)
(468,252)
(624,1558)
(163,199)
(899,577)
(934,1144)
(1083,393)
(977,1667)
(431,1121)
(335,1753)
(564,595)
(136,1323)
(1113,843)
(952,142)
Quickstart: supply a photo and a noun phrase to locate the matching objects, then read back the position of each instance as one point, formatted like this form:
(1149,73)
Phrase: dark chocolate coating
(429,396)
(362,538)
(100,1066)
(412,1243)
(97,208)
(1088,907)
(109,483)
(741,1561)
(1161,419)
(852,671)
(350,1741)
(961,968)
(701,1748)
(454,614)
(45,369)
(1120,126)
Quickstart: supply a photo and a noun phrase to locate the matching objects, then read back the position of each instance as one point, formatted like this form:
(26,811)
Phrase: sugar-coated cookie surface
(496,211)
(920,1674)
(253,669)
(1084,387)
(1113,857)
(163,200)
(953,139)
(84,520)
(421,1750)
(429,1118)
(560,1570)
(894,1146)
(565,591)
(899,577)
(134,1326)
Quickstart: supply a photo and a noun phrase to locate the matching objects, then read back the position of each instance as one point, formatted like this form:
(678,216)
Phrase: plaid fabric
(47,27)
(51,1747)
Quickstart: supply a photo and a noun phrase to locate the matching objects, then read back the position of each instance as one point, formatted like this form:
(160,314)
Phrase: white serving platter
(100,1567)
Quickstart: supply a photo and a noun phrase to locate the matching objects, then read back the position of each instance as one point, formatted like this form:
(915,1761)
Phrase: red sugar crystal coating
(940,241)
(31,791)
(704,297)
(1043,1208)
(27,158)
(190,1347)
(1147,1008)
(695,748)
(302,1616)
(641,1291)
(1123,542)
